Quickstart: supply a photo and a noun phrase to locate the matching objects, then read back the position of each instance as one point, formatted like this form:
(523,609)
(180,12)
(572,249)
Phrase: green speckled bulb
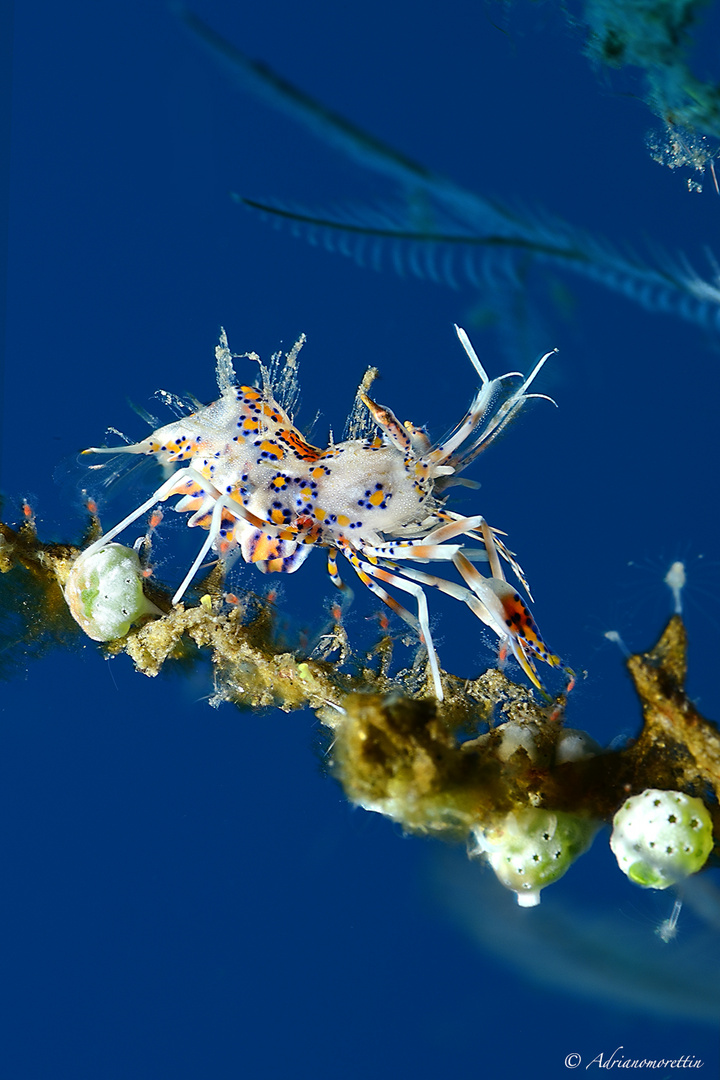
(104,592)
(661,837)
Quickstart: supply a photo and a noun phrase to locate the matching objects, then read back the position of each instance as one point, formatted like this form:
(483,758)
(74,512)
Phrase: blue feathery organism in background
(434,229)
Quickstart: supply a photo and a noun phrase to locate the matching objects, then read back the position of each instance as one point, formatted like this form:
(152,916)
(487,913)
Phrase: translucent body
(250,478)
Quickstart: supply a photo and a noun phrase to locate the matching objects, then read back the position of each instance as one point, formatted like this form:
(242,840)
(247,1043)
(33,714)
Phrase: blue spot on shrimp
(246,475)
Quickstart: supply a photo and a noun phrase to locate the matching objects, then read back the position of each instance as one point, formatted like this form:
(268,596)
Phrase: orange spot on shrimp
(192,505)
(225,465)
(267,446)
(264,548)
(304,450)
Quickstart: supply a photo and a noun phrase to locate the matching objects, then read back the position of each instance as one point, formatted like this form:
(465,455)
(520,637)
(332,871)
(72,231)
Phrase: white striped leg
(451,588)
(488,610)
(377,590)
(495,568)
(172,486)
(497,617)
(459,527)
(213,533)
(432,547)
(366,572)
(491,539)
(485,605)
(337,580)
(236,510)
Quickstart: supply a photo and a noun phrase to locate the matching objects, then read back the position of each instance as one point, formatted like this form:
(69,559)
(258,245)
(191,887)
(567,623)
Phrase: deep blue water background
(184,890)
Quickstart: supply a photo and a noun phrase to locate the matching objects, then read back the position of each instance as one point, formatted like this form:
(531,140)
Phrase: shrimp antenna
(472,355)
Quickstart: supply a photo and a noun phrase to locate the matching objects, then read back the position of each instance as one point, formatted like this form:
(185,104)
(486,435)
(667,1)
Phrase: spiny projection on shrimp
(248,476)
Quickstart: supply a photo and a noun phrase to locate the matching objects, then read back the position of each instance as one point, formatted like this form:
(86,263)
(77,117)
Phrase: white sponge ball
(104,592)
(531,848)
(661,837)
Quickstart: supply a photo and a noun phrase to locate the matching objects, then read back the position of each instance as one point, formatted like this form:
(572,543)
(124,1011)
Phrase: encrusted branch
(471,766)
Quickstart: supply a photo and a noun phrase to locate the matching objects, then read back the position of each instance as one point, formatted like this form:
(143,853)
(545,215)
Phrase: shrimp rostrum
(246,475)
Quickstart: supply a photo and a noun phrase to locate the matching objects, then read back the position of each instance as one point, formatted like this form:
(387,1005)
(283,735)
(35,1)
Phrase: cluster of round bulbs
(659,838)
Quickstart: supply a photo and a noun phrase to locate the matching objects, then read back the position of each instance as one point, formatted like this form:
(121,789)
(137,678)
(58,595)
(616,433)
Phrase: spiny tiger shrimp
(260,489)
